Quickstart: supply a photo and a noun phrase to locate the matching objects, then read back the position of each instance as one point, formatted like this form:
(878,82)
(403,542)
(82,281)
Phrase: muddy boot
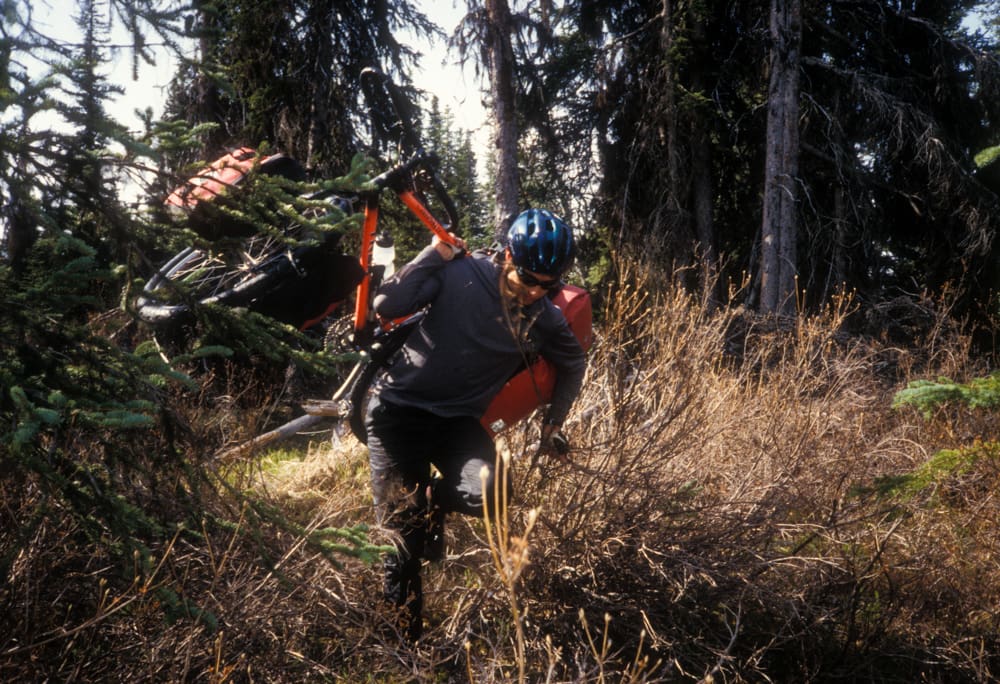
(404,592)
(434,548)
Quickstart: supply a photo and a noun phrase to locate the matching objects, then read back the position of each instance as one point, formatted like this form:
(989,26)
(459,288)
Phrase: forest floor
(743,503)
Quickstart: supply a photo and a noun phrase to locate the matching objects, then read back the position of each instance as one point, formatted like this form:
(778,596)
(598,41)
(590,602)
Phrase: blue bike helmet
(540,242)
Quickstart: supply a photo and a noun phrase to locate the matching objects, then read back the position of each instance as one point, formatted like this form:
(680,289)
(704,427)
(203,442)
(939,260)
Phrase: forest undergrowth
(731,512)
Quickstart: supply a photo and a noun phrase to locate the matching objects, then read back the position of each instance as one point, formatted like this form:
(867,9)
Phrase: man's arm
(564,352)
(570,363)
(415,284)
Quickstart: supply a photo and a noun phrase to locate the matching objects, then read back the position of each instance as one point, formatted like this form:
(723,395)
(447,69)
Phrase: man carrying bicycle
(486,319)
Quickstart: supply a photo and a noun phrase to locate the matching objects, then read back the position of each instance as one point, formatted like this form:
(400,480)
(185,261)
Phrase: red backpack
(533,386)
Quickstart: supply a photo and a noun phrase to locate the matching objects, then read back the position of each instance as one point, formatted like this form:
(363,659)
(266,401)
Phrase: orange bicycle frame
(363,314)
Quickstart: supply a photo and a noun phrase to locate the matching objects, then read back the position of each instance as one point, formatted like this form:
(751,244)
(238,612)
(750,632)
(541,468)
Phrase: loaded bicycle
(265,272)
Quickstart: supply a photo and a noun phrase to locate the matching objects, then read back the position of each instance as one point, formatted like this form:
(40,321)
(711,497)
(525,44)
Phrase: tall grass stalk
(509,553)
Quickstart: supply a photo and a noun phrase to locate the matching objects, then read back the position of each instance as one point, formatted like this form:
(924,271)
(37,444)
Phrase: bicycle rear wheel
(238,274)
(381,351)
(232,277)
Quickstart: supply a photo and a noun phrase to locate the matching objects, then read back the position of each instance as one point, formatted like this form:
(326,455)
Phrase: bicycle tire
(231,278)
(380,357)
(234,276)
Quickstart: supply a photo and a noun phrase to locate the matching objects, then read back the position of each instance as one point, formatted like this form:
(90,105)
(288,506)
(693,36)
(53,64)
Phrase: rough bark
(702,191)
(319,111)
(779,227)
(505,134)
(670,114)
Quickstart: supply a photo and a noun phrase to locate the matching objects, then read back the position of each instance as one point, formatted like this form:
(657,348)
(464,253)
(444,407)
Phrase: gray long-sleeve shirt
(463,351)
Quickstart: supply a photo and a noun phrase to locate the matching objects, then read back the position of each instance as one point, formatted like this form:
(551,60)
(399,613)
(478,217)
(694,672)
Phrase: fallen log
(316,411)
(289,429)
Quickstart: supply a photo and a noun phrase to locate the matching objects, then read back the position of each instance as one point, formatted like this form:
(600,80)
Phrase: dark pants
(403,443)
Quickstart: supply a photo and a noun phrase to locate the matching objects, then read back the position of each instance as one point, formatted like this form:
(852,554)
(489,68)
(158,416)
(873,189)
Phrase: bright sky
(457,90)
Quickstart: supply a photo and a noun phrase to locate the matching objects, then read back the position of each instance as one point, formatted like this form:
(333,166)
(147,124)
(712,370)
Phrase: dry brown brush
(742,504)
(138,556)
(718,517)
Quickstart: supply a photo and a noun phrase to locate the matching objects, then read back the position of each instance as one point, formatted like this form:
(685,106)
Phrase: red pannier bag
(532,387)
(225,172)
(194,199)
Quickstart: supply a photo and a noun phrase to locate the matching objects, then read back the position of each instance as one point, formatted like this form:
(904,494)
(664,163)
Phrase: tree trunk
(701,168)
(675,221)
(321,29)
(838,261)
(669,115)
(505,138)
(21,227)
(779,226)
(207,107)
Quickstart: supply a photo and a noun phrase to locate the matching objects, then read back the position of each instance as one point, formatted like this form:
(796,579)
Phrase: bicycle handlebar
(397,177)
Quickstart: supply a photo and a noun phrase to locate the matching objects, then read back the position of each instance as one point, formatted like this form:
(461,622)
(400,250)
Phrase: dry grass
(721,520)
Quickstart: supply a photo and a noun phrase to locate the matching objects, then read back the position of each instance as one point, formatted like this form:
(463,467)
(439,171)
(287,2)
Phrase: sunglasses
(529,280)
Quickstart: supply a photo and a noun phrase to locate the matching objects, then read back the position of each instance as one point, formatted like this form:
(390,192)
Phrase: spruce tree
(895,102)
(453,146)
(93,441)
(79,403)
